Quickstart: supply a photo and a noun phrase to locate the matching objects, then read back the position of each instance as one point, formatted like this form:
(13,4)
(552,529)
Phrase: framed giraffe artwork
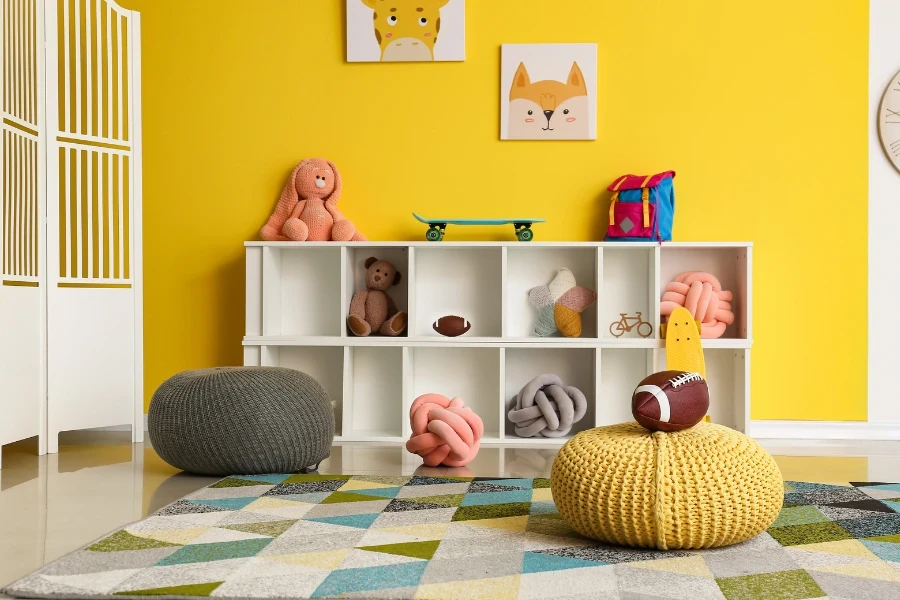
(548,92)
(406,30)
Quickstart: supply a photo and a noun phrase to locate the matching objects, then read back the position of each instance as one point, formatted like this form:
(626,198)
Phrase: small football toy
(451,326)
(670,401)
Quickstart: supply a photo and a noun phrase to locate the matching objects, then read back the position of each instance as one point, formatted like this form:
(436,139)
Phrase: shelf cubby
(730,265)
(469,373)
(355,275)
(528,267)
(298,295)
(726,376)
(301,291)
(629,277)
(373,392)
(324,364)
(574,366)
(461,281)
(621,370)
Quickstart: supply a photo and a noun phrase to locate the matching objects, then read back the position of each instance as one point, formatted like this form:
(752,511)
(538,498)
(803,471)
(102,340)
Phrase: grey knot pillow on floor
(241,421)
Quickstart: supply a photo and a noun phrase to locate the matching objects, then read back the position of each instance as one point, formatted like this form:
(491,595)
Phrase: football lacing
(686,378)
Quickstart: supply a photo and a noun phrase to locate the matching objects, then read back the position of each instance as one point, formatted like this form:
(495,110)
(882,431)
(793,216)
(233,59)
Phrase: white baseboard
(122,427)
(824,430)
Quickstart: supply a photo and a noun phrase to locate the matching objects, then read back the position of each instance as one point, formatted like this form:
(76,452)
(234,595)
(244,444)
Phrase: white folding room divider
(85,276)
(22,248)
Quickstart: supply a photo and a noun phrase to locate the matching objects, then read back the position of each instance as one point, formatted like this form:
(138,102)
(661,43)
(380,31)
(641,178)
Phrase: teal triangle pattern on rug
(218,551)
(358,521)
(453,538)
(488,498)
(368,579)
(380,492)
(884,550)
(229,503)
(535,562)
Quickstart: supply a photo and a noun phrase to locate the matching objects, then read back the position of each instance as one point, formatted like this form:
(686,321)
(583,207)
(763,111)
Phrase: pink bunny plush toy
(307,209)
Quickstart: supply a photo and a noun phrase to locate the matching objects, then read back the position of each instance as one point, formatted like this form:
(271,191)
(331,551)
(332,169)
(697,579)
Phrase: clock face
(889,121)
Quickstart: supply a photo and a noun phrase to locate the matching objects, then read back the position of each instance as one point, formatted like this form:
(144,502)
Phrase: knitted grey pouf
(241,421)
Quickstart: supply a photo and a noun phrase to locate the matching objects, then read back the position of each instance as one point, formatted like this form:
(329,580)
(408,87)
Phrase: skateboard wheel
(525,235)
(433,235)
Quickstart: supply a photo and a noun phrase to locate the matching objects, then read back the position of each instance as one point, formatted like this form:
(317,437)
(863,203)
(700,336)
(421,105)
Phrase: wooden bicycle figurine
(628,322)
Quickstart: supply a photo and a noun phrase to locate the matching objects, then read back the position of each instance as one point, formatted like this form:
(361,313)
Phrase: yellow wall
(760,106)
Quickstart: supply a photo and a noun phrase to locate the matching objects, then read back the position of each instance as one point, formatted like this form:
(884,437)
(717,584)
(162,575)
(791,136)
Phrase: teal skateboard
(437,227)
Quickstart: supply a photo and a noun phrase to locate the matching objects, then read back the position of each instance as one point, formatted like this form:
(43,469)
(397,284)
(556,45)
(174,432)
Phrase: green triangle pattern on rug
(423,550)
(230,482)
(197,589)
(122,540)
(444,500)
(492,511)
(535,562)
(358,521)
(226,503)
(273,479)
(270,528)
(341,497)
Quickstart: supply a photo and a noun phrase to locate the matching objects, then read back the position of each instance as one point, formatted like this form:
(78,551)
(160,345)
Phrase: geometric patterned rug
(328,536)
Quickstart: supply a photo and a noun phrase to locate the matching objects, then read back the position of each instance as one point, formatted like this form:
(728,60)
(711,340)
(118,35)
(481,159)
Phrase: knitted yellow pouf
(704,487)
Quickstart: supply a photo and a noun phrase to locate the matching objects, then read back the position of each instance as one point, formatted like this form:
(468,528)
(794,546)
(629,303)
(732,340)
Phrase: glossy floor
(99,481)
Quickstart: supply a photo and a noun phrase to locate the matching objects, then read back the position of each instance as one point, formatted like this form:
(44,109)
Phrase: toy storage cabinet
(298,295)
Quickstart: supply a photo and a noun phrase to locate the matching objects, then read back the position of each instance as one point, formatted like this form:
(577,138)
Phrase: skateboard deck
(684,349)
(437,227)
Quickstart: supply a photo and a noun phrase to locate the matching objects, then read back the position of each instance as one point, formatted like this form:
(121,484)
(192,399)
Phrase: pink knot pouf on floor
(444,432)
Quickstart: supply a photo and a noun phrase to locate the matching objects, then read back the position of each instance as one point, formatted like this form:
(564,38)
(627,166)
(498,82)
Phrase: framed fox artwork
(548,92)
(406,30)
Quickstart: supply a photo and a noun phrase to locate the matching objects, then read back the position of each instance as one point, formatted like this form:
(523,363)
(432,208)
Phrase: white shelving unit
(298,295)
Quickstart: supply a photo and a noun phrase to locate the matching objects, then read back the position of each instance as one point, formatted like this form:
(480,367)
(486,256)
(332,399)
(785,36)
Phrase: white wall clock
(889,121)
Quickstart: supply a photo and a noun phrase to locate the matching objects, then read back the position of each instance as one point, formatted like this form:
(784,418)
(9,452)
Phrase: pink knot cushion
(702,295)
(444,432)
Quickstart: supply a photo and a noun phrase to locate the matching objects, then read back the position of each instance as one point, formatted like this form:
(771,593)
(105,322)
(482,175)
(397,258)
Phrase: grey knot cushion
(241,421)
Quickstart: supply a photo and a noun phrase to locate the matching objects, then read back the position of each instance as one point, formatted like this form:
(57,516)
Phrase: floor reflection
(51,505)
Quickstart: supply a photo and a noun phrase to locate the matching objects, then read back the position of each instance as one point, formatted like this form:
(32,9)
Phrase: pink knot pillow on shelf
(444,432)
(702,295)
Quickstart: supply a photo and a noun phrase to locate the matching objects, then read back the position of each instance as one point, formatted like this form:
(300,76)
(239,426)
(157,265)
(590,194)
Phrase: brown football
(670,401)
(451,326)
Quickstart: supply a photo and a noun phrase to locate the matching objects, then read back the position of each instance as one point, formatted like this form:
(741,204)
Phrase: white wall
(884,216)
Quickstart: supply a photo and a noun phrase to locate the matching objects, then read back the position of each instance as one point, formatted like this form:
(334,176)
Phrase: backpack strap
(645,200)
(615,198)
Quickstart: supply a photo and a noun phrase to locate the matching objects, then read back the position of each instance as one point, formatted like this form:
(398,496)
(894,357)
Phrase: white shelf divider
(655,293)
(408,399)
(347,290)
(504,401)
(598,304)
(346,407)
(598,388)
(504,292)
(396,370)
(412,309)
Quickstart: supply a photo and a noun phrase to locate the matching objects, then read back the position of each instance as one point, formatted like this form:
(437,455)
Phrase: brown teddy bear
(372,309)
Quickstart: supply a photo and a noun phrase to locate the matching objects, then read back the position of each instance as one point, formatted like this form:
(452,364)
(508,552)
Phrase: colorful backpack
(642,208)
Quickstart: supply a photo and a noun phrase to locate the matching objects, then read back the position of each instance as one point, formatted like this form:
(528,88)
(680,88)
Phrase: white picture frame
(548,92)
(406,30)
